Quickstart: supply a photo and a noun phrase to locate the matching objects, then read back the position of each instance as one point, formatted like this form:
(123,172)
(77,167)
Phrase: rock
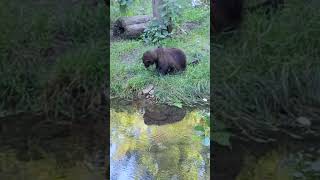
(304,121)
(147,89)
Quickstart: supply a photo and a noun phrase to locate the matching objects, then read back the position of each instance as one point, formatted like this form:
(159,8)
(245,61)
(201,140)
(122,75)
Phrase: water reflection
(163,114)
(33,148)
(140,150)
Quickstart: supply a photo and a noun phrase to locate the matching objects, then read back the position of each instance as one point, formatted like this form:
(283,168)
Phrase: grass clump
(52,56)
(268,73)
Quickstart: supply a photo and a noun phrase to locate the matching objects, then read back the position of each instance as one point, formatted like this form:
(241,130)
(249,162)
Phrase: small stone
(205,100)
(304,121)
(147,89)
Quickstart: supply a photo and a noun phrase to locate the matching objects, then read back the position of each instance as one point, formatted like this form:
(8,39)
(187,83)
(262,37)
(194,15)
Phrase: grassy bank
(267,74)
(129,76)
(53,56)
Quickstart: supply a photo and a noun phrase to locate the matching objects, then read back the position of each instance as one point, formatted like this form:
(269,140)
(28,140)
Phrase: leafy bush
(123,5)
(155,32)
(160,29)
(170,11)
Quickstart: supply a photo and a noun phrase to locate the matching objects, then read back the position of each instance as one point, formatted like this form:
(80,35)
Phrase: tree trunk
(135,30)
(156,13)
(123,9)
(155,8)
(130,27)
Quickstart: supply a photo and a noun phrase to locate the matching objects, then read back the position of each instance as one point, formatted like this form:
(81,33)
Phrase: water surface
(33,147)
(156,142)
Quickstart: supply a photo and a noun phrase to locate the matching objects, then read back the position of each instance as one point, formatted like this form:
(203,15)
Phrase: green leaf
(199,128)
(195,138)
(178,104)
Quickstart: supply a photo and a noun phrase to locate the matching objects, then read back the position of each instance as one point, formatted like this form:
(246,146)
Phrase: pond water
(34,148)
(156,142)
(286,159)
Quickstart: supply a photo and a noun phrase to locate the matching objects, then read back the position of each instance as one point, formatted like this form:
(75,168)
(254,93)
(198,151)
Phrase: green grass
(268,72)
(129,76)
(53,56)
(138,7)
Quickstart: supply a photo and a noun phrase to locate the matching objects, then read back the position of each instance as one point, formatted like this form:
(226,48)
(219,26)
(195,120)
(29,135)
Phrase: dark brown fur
(167,60)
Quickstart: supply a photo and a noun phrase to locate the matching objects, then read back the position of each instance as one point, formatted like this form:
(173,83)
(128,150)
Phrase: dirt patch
(130,57)
(189,26)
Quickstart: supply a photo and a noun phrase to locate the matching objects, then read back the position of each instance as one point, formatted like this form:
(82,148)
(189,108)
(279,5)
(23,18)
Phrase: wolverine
(167,60)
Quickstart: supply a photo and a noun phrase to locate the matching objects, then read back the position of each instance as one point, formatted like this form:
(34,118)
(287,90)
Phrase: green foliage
(125,2)
(157,29)
(123,5)
(155,32)
(178,104)
(195,14)
(136,7)
(170,11)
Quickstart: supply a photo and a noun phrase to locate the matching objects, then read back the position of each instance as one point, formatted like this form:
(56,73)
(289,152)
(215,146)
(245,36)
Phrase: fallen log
(130,27)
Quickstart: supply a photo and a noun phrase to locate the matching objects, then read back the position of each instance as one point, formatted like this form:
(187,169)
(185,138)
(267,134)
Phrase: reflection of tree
(165,151)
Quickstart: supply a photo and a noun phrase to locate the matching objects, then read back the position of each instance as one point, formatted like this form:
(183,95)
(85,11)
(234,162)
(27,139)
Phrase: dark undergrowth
(267,75)
(53,56)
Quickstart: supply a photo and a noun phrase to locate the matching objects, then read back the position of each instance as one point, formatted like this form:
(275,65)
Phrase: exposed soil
(189,26)
(131,56)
